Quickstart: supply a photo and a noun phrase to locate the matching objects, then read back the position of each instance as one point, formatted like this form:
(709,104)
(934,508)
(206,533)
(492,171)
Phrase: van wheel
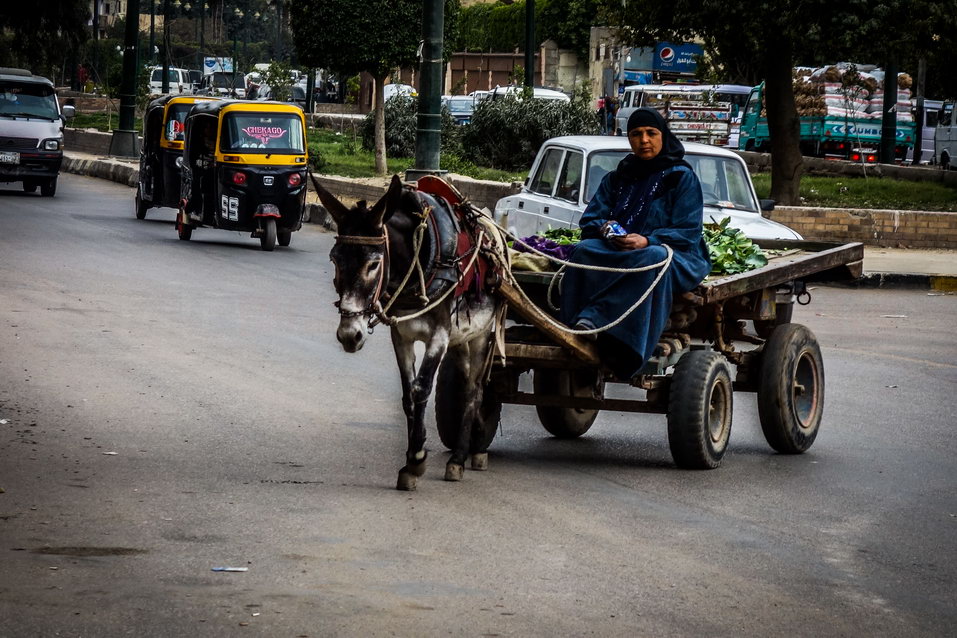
(29,186)
(48,187)
(945,162)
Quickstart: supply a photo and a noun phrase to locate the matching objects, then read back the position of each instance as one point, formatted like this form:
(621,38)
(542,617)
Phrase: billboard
(217,64)
(676,58)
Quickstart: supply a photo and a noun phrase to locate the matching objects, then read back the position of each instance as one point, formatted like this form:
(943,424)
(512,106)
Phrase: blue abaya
(666,207)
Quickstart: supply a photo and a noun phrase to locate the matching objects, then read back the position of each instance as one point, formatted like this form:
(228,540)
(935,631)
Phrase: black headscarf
(672,151)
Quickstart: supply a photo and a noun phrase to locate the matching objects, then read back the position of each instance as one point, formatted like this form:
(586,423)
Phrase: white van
(31,131)
(180,82)
(928,133)
(945,141)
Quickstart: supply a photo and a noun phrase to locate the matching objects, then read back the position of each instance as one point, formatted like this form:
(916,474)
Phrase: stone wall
(887,228)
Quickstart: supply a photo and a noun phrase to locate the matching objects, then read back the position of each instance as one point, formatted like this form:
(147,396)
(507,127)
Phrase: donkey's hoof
(454,472)
(480,461)
(406,482)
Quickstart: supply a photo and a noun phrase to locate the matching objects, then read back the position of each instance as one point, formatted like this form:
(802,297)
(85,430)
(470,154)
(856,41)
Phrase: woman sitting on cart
(651,200)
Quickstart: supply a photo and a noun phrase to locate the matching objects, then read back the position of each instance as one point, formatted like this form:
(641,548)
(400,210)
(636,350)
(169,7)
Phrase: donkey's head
(361,258)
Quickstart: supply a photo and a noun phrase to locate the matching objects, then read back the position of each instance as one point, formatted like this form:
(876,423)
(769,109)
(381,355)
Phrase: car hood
(753,225)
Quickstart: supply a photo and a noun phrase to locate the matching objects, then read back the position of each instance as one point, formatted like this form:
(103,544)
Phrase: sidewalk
(899,267)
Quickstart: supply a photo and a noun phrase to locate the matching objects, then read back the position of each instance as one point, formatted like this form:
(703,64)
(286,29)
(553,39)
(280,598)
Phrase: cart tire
(48,187)
(449,399)
(29,186)
(283,236)
(141,207)
(791,389)
(268,239)
(185,231)
(699,410)
(567,423)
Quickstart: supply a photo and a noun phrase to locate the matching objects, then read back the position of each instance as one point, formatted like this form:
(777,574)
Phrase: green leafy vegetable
(564,236)
(730,250)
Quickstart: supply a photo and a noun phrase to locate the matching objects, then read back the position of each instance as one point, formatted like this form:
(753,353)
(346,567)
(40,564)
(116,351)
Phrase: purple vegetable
(547,246)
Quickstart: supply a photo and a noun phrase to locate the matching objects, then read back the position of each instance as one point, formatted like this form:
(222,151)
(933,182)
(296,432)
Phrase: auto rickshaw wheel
(284,236)
(567,423)
(184,230)
(268,237)
(29,186)
(141,208)
(791,389)
(449,399)
(699,410)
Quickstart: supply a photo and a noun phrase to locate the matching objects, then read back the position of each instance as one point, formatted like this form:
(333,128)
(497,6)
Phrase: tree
(348,37)
(42,38)
(752,41)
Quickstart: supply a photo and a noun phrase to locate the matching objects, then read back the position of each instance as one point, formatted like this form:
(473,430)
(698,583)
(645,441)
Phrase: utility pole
(530,43)
(889,120)
(165,87)
(152,56)
(919,111)
(125,143)
(428,132)
(96,41)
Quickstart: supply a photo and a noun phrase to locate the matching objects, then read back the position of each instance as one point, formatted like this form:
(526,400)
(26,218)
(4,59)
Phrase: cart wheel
(791,389)
(567,423)
(184,230)
(283,236)
(29,186)
(449,398)
(48,187)
(141,207)
(699,410)
(268,238)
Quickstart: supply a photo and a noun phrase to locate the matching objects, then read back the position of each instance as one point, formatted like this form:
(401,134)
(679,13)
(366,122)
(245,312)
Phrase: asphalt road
(169,407)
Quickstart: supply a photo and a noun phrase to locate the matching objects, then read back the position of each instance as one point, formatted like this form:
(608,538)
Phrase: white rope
(475,254)
(666,261)
(665,265)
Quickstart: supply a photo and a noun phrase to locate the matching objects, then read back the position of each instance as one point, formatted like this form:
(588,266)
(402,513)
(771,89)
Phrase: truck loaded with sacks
(841,110)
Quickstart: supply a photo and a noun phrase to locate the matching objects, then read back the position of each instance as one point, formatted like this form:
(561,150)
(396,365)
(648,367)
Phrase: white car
(391,90)
(538,93)
(568,170)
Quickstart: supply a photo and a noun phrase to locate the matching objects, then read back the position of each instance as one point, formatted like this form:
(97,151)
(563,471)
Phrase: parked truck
(849,129)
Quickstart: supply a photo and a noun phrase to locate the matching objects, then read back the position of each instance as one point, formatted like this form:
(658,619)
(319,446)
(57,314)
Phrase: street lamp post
(165,86)
(239,19)
(204,7)
(153,4)
(124,141)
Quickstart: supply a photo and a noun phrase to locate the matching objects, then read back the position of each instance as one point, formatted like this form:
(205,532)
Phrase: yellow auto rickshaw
(244,168)
(162,144)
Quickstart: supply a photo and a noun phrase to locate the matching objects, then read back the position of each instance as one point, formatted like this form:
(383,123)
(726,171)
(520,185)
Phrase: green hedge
(400,126)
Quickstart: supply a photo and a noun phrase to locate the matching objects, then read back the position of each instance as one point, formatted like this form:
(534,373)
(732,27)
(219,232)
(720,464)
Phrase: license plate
(7,157)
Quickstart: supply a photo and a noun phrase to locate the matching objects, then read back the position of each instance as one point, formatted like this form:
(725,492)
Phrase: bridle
(374,309)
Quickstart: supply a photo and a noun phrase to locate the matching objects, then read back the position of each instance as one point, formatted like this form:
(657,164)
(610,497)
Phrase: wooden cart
(733,333)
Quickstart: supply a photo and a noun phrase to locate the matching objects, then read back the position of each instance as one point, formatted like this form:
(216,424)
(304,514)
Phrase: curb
(940,283)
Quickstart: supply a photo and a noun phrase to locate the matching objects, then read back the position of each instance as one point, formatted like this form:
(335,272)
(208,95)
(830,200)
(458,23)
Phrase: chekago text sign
(264,133)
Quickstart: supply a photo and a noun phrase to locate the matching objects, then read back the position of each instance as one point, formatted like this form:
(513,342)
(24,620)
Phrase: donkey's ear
(384,208)
(333,205)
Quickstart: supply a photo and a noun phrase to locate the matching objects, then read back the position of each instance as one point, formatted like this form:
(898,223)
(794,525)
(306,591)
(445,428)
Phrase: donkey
(374,256)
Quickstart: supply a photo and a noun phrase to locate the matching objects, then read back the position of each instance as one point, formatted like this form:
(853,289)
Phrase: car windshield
(724,182)
(263,133)
(599,165)
(27,99)
(172,74)
(228,80)
(460,106)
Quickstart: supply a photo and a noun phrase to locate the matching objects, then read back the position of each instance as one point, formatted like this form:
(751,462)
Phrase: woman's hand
(631,241)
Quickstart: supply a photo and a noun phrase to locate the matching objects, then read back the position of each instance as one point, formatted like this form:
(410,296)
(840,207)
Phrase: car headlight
(51,144)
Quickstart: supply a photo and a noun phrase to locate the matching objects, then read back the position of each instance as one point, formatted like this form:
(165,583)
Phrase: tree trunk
(381,168)
(784,126)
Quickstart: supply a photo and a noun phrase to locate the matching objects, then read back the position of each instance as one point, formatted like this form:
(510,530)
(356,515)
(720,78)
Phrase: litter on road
(230,569)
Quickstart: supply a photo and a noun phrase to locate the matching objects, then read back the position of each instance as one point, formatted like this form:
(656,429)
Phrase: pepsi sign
(676,58)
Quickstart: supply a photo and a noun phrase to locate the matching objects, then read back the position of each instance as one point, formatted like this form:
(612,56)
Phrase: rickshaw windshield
(175,130)
(263,133)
